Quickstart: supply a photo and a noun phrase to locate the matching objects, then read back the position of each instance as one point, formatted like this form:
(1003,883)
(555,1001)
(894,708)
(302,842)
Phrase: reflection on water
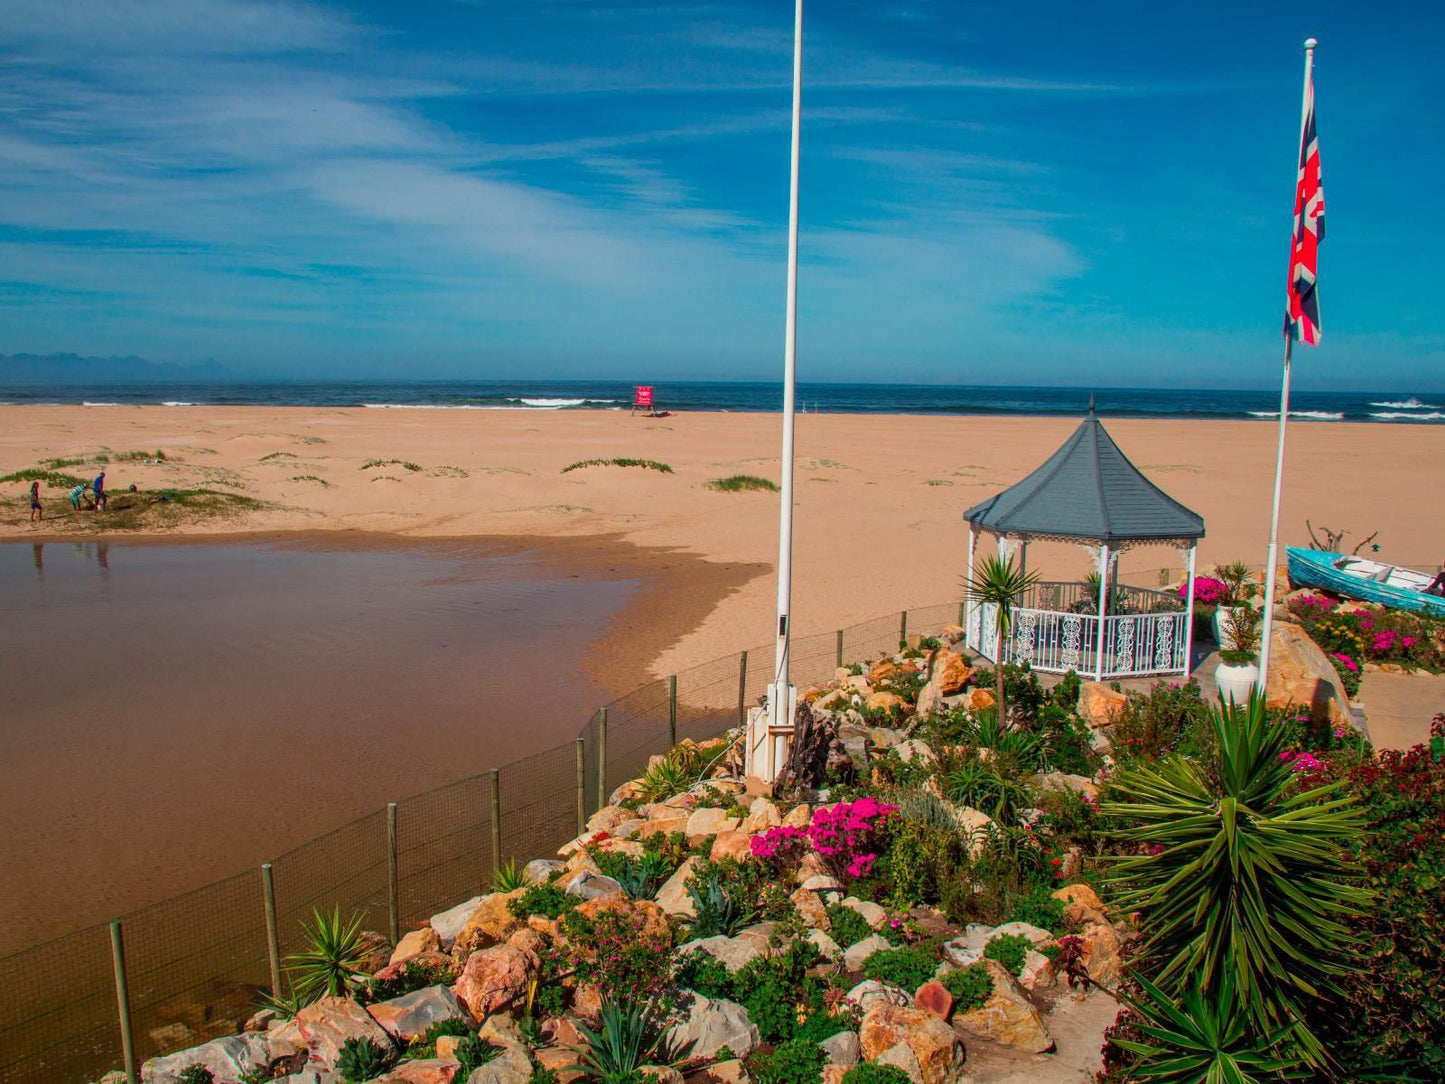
(175,713)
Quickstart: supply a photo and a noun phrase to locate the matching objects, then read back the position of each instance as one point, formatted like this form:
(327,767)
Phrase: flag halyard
(1302,306)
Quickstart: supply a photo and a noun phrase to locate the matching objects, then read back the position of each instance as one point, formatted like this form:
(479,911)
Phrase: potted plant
(1239,589)
(1238,671)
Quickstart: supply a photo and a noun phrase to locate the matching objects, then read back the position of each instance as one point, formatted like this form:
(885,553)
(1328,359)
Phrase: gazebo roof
(1088,490)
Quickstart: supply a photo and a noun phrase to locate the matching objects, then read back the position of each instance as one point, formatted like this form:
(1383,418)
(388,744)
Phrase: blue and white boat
(1364,579)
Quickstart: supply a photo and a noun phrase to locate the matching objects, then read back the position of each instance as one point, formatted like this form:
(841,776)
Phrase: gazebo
(1089,494)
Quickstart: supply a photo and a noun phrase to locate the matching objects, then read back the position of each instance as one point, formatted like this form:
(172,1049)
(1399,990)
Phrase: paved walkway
(1400,707)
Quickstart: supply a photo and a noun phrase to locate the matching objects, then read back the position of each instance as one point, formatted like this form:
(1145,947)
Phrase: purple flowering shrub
(781,847)
(848,836)
(1207,591)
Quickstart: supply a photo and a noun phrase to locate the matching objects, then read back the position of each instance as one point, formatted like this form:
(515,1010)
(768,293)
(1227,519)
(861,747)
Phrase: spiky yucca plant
(330,965)
(1248,883)
(631,1035)
(508,877)
(1001,583)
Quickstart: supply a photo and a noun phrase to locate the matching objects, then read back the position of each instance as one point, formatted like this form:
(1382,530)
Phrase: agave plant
(642,877)
(330,966)
(361,1060)
(472,1053)
(1019,747)
(1206,1039)
(508,878)
(669,776)
(1247,882)
(631,1035)
(1001,583)
(717,910)
(979,784)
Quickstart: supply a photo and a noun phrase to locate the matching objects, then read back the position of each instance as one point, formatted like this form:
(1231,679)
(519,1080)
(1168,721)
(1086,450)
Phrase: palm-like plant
(1001,583)
(330,966)
(1206,1039)
(631,1035)
(1249,884)
(509,877)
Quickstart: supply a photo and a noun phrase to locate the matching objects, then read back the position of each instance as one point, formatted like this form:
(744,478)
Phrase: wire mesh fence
(196,963)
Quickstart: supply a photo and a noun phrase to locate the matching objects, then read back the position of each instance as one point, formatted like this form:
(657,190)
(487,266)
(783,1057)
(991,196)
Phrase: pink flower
(1301,762)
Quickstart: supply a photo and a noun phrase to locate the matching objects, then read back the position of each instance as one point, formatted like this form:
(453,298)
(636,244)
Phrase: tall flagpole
(780,700)
(1273,559)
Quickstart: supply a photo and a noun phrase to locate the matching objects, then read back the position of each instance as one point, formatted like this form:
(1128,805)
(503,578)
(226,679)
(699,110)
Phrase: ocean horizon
(750,397)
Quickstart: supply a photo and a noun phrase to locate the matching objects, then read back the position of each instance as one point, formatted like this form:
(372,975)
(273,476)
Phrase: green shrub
(472,1053)
(195,1074)
(616,951)
(797,1061)
(846,926)
(361,1060)
(705,973)
(414,975)
(908,968)
(543,898)
(1170,718)
(772,989)
(978,784)
(1008,949)
(542,1075)
(868,1072)
(1039,908)
(425,1046)
(648,464)
(736,483)
(970,986)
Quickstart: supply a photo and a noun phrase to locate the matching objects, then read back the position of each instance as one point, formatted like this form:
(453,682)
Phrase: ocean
(1382,407)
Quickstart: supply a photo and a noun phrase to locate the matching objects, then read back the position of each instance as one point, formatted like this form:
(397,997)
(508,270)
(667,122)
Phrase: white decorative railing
(1055,642)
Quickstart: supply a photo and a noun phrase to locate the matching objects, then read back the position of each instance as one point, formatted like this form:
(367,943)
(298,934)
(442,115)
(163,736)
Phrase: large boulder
(842,1049)
(450,923)
(856,954)
(872,992)
(1099,705)
(707,822)
(227,1058)
(421,1071)
(608,818)
(322,1028)
(415,943)
(492,978)
(932,1043)
(490,923)
(1007,1018)
(673,896)
(511,1066)
(591,886)
(1301,675)
(540,869)
(712,1024)
(950,673)
(734,953)
(1102,957)
(732,844)
(410,1015)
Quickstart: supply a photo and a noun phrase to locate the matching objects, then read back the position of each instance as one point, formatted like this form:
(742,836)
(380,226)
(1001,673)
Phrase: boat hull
(1316,568)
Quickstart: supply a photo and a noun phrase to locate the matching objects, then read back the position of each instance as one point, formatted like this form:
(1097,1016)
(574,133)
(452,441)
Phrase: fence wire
(197,963)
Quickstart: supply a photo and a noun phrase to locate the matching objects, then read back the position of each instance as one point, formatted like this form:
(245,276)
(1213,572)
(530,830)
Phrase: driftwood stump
(807,764)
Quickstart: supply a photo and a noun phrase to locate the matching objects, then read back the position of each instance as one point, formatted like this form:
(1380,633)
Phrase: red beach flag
(1302,306)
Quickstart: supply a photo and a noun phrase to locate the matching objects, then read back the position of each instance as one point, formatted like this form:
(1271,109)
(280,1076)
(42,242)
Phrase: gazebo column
(1103,600)
(1189,614)
(968,593)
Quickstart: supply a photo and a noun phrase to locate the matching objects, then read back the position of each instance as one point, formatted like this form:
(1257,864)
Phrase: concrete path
(1400,707)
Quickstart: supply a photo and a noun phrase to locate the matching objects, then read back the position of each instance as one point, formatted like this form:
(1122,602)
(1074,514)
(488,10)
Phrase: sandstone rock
(591,886)
(1007,1018)
(810,909)
(979,699)
(712,1024)
(883,700)
(1080,894)
(580,860)
(665,826)
(587,1002)
(1101,952)
(835,700)
(322,1028)
(762,815)
(875,915)
(439,963)
(408,1016)
(1035,935)
(492,978)
(490,923)
(511,1066)
(1301,675)
(901,1056)
(885,737)
(449,924)
(501,1029)
(447,1045)
(626,792)
(673,897)
(1099,705)
(227,1058)
(561,1031)
(826,946)
(1079,784)
(842,1049)
(557,1057)
(949,672)
(731,1072)
(651,920)
(305,1076)
(663,1074)
(760,936)
(872,992)
(608,818)
(929,700)
(935,998)
(822,882)
(854,956)
(1038,973)
(728,844)
(734,954)
(619,843)
(707,822)
(932,1043)
(914,749)
(800,816)
(421,1071)
(411,944)
(883,671)
(973,824)
(530,943)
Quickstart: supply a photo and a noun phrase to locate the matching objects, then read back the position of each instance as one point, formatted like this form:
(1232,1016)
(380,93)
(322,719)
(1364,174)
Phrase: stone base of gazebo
(1144,633)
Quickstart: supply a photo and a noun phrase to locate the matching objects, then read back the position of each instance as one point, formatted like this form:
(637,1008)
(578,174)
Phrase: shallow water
(175,713)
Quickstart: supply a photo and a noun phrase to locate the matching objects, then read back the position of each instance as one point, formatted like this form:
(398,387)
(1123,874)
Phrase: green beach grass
(646,464)
(739,483)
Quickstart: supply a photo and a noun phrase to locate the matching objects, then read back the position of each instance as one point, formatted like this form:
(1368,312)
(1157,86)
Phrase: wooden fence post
(496,821)
(273,939)
(393,889)
(743,689)
(672,711)
(122,1001)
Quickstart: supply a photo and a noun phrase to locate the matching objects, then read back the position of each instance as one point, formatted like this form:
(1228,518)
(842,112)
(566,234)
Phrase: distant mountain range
(75,369)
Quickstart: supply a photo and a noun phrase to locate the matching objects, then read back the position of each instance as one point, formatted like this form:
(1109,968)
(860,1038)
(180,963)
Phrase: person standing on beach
(36,512)
(99,488)
(75,495)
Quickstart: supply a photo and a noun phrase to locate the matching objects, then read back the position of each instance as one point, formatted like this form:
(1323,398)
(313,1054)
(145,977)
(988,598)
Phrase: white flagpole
(1273,558)
(780,699)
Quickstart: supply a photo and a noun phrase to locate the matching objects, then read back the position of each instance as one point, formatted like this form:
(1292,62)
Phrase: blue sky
(992,193)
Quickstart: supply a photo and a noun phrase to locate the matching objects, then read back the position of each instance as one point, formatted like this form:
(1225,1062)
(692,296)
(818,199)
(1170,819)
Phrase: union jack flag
(1302,306)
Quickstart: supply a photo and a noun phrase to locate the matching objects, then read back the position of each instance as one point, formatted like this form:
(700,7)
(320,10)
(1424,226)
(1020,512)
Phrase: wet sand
(176,713)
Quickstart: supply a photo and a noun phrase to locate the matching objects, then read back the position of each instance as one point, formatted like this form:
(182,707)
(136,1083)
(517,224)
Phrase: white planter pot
(1236,682)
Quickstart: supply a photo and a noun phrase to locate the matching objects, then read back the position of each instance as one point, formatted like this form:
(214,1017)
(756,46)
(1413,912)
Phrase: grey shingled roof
(1089,490)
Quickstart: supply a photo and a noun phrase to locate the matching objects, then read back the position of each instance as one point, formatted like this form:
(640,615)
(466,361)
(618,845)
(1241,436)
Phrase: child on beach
(36,512)
(75,495)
